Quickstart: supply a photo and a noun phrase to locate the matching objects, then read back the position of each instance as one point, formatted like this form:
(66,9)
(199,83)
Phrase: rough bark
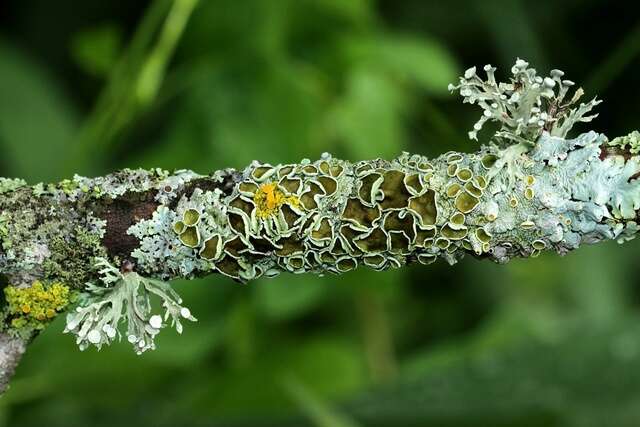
(11,350)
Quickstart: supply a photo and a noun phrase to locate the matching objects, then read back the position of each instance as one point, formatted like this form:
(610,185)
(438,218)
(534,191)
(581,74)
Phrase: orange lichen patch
(269,198)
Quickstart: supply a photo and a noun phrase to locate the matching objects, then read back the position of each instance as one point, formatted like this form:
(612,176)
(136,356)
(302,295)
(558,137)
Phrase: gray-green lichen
(530,189)
(124,296)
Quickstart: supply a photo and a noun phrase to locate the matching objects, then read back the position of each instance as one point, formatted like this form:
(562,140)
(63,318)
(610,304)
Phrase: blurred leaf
(529,385)
(356,10)
(290,295)
(422,61)
(96,49)
(318,411)
(367,121)
(258,111)
(517,39)
(240,334)
(329,365)
(37,121)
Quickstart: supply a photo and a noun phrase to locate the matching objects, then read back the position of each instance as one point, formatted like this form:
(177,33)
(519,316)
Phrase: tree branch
(113,240)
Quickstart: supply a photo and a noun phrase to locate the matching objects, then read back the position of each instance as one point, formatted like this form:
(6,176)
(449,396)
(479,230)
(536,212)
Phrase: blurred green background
(89,87)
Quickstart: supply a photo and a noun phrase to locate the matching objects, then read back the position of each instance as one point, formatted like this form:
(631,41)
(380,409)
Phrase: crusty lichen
(8,185)
(31,308)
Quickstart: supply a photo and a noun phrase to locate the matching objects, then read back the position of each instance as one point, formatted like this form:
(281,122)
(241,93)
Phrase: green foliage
(34,112)
(96,49)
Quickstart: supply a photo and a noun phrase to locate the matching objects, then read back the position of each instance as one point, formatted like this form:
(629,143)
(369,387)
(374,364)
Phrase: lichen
(8,185)
(268,200)
(630,143)
(124,297)
(526,106)
(31,308)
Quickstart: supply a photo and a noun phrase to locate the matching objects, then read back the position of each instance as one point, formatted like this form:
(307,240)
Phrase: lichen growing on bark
(531,188)
(31,308)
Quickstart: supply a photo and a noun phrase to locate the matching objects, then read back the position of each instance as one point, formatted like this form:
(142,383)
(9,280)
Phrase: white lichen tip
(124,297)
(155,321)
(526,106)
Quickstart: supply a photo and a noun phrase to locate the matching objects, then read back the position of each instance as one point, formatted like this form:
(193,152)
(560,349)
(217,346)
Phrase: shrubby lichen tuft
(527,105)
(124,298)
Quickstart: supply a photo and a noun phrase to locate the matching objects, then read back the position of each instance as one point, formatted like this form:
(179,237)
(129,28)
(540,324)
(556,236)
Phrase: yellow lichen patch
(413,183)
(357,212)
(472,189)
(346,264)
(395,192)
(482,235)
(374,261)
(527,224)
(539,244)
(212,248)
(269,199)
(190,217)
(308,198)
(190,237)
(453,233)
(457,219)
(454,157)
(35,306)
(329,184)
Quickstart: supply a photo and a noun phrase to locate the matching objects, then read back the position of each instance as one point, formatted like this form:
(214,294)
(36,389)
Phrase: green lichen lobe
(630,143)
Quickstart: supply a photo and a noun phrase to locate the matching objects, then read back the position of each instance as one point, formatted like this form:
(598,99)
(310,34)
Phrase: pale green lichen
(527,105)
(630,143)
(8,185)
(124,298)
